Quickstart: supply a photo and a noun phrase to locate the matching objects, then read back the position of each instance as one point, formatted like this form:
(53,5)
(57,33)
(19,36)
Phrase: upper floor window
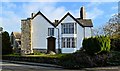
(67,28)
(50,31)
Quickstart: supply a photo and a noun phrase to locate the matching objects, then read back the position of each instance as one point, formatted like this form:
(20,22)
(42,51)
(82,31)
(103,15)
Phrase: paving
(30,66)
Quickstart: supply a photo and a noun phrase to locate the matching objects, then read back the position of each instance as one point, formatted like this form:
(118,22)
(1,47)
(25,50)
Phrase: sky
(13,12)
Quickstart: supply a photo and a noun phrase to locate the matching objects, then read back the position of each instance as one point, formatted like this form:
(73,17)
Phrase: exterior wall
(35,33)
(15,44)
(40,32)
(68,19)
(80,36)
(88,32)
(26,36)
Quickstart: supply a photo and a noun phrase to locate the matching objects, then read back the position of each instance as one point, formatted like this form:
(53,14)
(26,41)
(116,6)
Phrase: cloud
(12,15)
(94,13)
(115,8)
(11,22)
(10,19)
(48,9)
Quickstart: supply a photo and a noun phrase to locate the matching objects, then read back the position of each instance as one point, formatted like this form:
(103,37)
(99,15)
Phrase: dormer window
(50,31)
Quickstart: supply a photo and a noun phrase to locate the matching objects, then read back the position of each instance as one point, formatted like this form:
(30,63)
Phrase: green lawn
(39,55)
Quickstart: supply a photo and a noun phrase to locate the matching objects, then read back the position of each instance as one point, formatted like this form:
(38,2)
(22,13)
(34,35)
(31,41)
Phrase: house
(15,39)
(64,35)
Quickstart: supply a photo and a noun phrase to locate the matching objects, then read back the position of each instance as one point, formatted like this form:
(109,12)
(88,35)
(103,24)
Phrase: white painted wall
(66,50)
(80,36)
(40,32)
(88,32)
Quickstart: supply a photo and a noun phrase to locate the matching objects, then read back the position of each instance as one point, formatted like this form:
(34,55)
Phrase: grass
(39,55)
(13,54)
(47,55)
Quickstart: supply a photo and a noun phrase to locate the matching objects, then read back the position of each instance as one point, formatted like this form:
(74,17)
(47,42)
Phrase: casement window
(50,31)
(68,28)
(68,42)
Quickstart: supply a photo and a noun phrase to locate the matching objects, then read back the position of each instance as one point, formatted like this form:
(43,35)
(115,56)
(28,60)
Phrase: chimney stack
(33,14)
(56,21)
(82,13)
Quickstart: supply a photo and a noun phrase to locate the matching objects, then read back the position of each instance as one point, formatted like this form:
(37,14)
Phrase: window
(63,42)
(67,28)
(68,42)
(50,31)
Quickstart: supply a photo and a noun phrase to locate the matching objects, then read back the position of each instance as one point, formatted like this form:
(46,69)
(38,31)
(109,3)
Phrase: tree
(113,27)
(6,46)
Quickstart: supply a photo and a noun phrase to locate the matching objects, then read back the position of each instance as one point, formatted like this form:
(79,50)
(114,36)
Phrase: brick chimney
(82,13)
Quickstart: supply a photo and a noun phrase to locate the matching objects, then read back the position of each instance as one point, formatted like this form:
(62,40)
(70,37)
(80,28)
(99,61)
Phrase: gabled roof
(39,13)
(17,35)
(68,14)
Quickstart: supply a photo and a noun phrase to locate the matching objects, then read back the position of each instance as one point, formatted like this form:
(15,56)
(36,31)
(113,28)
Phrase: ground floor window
(68,42)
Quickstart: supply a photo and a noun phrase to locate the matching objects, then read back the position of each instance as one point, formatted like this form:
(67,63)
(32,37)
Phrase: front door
(51,44)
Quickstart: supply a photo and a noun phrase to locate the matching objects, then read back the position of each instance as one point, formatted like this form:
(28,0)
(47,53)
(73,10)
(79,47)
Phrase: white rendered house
(66,34)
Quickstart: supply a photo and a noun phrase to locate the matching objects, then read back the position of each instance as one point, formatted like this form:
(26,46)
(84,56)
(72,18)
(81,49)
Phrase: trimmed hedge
(95,45)
(49,60)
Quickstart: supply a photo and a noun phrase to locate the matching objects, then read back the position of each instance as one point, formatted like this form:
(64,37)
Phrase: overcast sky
(13,12)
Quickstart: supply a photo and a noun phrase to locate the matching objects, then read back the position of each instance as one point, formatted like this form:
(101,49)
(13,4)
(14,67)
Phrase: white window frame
(50,31)
(68,42)
(68,28)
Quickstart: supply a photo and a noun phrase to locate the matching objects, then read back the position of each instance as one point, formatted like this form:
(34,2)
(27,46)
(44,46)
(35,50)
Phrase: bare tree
(112,28)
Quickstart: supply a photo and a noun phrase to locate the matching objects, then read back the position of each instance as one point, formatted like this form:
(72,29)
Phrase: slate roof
(81,22)
(85,22)
(71,17)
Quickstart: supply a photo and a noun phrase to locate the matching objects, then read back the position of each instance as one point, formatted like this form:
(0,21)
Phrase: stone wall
(26,47)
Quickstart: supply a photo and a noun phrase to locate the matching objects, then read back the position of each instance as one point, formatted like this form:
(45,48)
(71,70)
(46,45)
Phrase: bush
(6,46)
(95,45)
(115,44)
(82,60)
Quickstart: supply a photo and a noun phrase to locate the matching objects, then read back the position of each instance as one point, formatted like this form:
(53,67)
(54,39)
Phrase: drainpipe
(59,50)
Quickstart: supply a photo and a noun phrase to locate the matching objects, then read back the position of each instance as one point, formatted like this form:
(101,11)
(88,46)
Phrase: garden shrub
(82,60)
(114,59)
(115,44)
(95,45)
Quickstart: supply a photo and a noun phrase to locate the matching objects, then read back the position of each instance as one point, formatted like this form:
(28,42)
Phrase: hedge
(49,60)
(115,44)
(95,45)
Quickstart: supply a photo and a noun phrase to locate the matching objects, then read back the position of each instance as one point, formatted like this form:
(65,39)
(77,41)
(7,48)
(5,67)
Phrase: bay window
(68,42)
(68,28)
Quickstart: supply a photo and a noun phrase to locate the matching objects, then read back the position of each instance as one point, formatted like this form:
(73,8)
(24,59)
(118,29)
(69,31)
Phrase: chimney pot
(56,21)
